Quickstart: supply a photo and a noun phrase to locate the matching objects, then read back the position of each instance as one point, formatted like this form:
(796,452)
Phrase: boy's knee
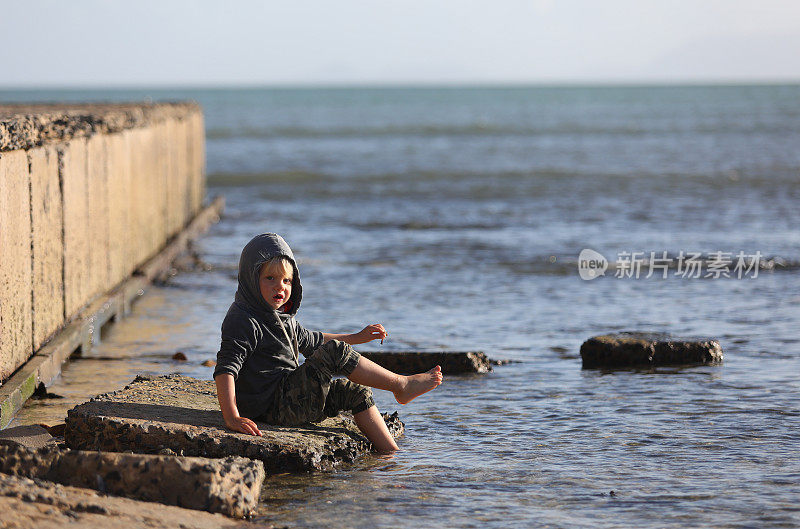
(362,398)
(346,395)
(335,358)
(362,391)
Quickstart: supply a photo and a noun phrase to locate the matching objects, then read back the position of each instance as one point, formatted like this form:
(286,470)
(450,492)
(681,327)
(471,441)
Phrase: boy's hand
(372,332)
(243,425)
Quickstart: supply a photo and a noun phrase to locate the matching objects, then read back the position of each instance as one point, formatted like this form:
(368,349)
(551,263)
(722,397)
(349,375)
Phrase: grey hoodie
(254,347)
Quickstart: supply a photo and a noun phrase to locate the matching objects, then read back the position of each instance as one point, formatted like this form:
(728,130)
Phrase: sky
(105,43)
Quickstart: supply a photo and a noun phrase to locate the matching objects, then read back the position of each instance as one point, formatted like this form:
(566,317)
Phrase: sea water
(455,217)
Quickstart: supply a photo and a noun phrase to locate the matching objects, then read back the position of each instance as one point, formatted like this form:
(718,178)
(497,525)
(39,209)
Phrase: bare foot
(416,385)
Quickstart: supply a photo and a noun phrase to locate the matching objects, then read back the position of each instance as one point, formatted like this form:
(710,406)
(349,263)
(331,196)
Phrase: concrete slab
(30,437)
(48,244)
(198,161)
(135,238)
(452,362)
(230,486)
(155,193)
(77,261)
(628,349)
(16,325)
(36,504)
(98,201)
(160,178)
(120,263)
(183,172)
(171,187)
(181,414)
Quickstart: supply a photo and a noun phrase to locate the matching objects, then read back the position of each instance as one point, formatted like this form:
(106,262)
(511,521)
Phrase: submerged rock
(181,414)
(229,486)
(648,349)
(452,362)
(34,504)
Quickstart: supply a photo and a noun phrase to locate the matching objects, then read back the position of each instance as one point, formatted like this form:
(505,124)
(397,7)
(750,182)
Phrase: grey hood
(259,250)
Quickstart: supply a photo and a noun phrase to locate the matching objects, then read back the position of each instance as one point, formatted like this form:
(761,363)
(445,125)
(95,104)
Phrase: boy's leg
(334,358)
(405,388)
(339,358)
(302,395)
(372,425)
(345,395)
(300,398)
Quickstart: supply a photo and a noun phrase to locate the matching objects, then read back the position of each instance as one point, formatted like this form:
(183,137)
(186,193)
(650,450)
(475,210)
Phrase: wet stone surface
(181,414)
(629,349)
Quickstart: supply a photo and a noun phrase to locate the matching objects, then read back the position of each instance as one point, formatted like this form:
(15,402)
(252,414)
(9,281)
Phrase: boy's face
(275,285)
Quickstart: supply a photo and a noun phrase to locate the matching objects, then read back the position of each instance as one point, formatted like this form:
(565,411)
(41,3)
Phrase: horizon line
(621,83)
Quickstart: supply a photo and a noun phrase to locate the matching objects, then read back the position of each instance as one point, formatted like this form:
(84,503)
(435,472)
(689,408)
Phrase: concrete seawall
(88,193)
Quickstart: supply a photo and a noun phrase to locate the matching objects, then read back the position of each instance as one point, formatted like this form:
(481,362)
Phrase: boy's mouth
(278,297)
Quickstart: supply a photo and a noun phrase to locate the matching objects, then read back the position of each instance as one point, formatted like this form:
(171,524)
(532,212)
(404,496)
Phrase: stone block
(29,504)
(98,200)
(230,486)
(451,362)
(182,414)
(119,249)
(628,349)
(48,244)
(77,257)
(16,326)
(198,161)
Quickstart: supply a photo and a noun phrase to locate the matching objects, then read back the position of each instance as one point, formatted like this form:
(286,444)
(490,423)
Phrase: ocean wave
(427,225)
(490,129)
(719,178)
(299,177)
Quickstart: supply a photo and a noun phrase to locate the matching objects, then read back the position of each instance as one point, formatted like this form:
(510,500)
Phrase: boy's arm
(226,394)
(367,334)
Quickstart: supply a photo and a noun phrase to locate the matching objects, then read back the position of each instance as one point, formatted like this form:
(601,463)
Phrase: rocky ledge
(229,486)
(452,362)
(35,504)
(176,414)
(627,349)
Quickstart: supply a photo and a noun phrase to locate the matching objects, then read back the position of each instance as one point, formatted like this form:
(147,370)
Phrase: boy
(258,373)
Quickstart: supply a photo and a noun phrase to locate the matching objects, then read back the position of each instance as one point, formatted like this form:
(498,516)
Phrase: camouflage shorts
(309,393)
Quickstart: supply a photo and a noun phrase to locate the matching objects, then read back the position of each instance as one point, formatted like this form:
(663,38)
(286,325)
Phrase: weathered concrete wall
(88,193)
(47,225)
(16,329)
